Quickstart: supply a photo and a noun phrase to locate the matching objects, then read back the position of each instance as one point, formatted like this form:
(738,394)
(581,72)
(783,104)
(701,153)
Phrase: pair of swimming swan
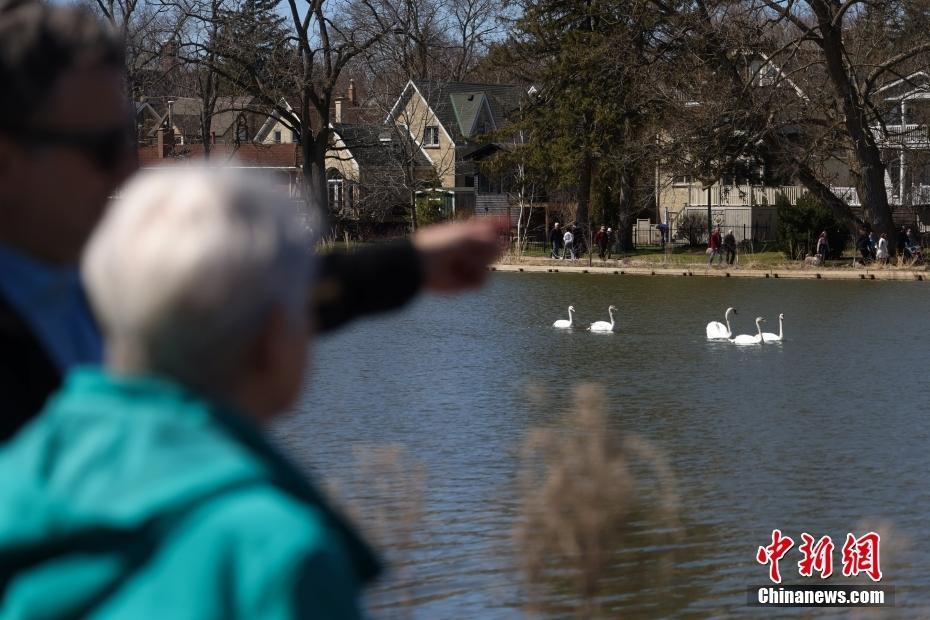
(598,326)
(718,331)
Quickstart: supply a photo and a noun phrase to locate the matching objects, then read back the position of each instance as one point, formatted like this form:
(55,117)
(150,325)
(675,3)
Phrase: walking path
(787,273)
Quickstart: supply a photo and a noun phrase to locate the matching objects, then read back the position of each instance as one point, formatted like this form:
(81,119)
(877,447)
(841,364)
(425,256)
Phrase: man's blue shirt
(52,302)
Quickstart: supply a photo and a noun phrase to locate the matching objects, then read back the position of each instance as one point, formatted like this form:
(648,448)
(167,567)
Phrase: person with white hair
(729,245)
(149,483)
(64,116)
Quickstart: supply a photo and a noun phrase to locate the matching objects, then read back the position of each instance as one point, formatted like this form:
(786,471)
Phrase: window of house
(488,184)
(293,136)
(277,136)
(681,179)
(431,135)
(334,189)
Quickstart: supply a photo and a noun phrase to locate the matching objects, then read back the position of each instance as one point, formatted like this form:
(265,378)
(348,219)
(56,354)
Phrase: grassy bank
(697,260)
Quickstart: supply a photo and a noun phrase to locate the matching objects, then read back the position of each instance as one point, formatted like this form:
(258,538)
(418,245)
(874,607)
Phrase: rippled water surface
(825,433)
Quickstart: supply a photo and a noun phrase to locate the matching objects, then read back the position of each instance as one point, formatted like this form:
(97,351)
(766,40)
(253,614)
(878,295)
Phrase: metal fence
(749,238)
(696,235)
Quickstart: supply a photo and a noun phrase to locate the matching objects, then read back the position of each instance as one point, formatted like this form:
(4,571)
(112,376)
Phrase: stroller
(913,255)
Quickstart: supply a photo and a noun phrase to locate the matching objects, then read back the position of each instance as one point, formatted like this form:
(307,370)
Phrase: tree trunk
(826,196)
(626,204)
(584,190)
(871,185)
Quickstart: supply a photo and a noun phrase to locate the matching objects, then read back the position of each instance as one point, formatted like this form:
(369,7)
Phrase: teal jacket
(133,498)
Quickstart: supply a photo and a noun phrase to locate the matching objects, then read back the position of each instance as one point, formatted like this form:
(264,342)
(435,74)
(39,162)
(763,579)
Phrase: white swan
(562,323)
(747,339)
(770,337)
(604,326)
(717,330)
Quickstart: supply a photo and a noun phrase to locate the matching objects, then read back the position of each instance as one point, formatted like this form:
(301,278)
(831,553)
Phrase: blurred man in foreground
(147,489)
(66,144)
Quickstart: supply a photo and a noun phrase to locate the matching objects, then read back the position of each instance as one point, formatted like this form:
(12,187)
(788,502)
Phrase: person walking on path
(862,246)
(714,246)
(729,244)
(823,247)
(901,243)
(600,240)
(555,240)
(610,242)
(568,243)
(881,253)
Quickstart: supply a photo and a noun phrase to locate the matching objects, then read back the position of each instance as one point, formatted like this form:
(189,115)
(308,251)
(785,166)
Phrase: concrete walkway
(811,273)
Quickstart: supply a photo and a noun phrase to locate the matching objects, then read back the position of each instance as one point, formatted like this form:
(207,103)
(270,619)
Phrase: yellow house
(447,121)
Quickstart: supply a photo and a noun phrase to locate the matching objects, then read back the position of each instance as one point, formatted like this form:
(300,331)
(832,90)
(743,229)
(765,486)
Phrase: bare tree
(834,53)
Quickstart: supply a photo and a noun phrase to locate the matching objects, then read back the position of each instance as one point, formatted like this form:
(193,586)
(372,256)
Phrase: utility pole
(710,226)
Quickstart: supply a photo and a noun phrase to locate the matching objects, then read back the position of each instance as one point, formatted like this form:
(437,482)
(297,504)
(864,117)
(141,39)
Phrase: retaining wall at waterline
(720,272)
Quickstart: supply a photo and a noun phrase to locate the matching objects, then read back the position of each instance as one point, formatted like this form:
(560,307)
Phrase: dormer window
(431,135)
(277,137)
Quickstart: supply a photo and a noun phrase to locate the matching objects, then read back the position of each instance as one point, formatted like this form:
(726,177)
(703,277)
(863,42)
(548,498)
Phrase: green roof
(458,104)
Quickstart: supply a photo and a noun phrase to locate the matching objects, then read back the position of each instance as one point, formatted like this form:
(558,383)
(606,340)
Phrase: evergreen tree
(590,125)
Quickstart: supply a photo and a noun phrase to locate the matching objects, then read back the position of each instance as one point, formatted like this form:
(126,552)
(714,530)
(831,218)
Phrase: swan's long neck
(610,311)
(779,328)
(759,327)
(570,315)
(726,317)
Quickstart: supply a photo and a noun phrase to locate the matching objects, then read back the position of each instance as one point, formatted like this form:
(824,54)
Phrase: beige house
(448,121)
(276,131)
(743,199)
(234,121)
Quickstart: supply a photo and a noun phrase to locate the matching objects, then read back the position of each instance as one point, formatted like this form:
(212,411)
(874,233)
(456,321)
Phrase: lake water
(417,419)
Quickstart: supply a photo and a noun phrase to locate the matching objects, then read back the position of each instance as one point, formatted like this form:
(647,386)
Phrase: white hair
(186,265)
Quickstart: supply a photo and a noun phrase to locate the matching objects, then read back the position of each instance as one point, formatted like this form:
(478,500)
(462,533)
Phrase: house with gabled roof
(373,173)
(235,120)
(277,129)
(448,121)
(901,130)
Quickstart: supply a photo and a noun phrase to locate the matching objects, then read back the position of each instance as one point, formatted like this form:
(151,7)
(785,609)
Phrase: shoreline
(781,273)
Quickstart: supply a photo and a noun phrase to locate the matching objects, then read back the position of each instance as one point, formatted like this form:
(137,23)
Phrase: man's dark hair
(41,42)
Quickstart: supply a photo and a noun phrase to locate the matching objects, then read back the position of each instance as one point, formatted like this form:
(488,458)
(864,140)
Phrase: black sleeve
(374,279)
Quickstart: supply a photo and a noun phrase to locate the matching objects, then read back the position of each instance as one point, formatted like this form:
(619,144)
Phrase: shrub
(692,227)
(800,225)
(431,209)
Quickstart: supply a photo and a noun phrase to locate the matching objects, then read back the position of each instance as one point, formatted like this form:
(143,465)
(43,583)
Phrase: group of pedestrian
(717,246)
(136,477)
(604,240)
(871,247)
(563,243)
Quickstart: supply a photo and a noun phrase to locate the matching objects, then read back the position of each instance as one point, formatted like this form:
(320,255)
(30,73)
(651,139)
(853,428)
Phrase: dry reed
(579,491)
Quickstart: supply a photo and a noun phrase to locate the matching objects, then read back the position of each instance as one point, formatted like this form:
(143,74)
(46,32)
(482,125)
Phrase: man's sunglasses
(107,148)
